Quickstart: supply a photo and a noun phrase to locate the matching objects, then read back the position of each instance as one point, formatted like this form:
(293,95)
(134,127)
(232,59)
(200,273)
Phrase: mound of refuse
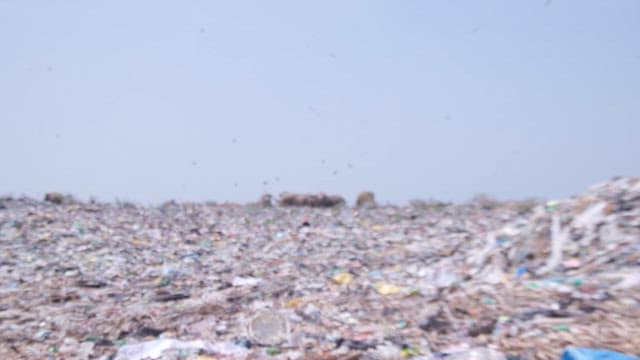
(311,200)
(572,267)
(596,231)
(480,280)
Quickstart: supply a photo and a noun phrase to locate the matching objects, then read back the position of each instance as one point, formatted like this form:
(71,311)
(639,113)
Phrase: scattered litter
(170,297)
(343,278)
(477,354)
(269,328)
(96,284)
(389,289)
(306,278)
(156,348)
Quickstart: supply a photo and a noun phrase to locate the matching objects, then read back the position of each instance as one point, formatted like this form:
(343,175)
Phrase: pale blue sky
(199,100)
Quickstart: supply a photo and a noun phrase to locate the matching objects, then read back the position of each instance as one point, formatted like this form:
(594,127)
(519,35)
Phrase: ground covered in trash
(205,281)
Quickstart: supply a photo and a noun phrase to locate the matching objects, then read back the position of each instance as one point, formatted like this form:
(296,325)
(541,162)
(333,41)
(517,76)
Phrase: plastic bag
(572,353)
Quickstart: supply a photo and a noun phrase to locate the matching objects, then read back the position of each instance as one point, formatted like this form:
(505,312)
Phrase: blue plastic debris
(520,271)
(573,353)
(503,240)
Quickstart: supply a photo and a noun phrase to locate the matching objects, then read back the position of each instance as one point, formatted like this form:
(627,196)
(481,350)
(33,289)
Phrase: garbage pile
(311,200)
(480,280)
(571,269)
(366,198)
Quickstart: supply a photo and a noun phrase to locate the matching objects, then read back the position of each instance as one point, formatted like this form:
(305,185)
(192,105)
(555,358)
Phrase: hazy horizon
(39,196)
(153,100)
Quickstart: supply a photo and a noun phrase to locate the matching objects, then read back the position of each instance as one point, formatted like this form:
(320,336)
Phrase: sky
(149,101)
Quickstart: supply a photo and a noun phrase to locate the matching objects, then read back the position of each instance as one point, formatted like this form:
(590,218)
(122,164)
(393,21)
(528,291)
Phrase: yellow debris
(389,289)
(205,357)
(343,278)
(293,303)
(410,352)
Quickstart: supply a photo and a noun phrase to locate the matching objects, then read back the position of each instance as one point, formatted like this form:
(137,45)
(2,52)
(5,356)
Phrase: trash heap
(569,274)
(480,280)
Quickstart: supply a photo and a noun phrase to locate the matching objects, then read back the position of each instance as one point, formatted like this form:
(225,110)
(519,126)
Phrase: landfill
(485,279)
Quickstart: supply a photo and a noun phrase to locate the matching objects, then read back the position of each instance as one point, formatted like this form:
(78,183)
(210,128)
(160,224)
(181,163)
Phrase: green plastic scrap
(577,282)
(119,343)
(533,285)
(91,338)
(410,352)
(552,206)
(488,301)
(79,227)
(401,324)
(164,281)
(271,351)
